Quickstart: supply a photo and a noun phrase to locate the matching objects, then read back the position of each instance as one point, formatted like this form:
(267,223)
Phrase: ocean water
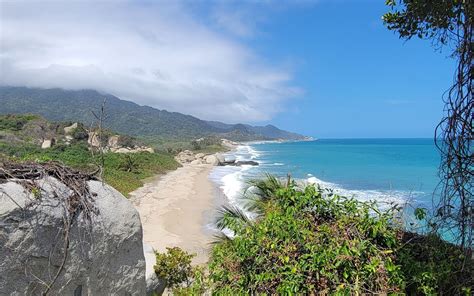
(385,170)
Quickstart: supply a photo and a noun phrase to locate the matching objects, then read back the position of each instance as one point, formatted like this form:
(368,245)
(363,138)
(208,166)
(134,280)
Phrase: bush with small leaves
(80,133)
(174,267)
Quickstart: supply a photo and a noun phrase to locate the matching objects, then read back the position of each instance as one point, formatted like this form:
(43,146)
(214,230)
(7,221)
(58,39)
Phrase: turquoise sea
(386,170)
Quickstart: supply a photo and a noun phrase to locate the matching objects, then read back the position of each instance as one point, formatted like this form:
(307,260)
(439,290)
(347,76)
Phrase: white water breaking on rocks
(232,181)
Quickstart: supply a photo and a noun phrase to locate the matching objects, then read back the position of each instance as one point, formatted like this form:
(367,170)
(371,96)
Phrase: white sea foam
(232,182)
(380,196)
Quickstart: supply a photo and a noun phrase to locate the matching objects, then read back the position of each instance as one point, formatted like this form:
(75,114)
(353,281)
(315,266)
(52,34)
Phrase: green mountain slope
(126,117)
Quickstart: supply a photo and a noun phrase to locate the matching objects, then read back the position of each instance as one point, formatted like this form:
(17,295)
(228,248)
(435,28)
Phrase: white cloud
(158,54)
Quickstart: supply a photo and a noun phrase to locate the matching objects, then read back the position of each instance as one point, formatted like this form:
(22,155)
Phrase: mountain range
(127,117)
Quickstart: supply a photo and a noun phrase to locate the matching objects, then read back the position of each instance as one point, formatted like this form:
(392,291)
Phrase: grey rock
(113,142)
(239,163)
(246,162)
(47,143)
(154,285)
(70,129)
(220,158)
(196,161)
(211,159)
(104,256)
(200,155)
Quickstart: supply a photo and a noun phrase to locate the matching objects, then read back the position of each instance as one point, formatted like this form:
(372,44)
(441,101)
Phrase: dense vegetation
(22,135)
(126,117)
(15,122)
(308,241)
(209,144)
(124,172)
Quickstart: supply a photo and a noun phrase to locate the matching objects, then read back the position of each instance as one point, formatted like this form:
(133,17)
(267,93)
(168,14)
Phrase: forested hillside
(126,117)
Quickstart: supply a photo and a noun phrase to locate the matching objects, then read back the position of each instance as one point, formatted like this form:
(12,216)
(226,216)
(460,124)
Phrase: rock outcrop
(211,159)
(185,156)
(113,145)
(113,142)
(132,150)
(188,157)
(229,144)
(71,128)
(246,162)
(47,143)
(104,250)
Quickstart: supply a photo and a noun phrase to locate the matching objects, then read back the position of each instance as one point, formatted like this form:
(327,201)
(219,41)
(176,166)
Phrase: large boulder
(196,162)
(211,159)
(71,128)
(121,150)
(147,149)
(100,253)
(113,142)
(200,155)
(47,144)
(185,156)
(220,157)
(245,162)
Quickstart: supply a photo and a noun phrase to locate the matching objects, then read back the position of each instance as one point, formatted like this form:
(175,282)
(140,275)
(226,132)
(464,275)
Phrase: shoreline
(174,209)
(178,208)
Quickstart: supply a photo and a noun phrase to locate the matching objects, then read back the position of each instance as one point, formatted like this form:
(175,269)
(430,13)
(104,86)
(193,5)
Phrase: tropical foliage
(307,241)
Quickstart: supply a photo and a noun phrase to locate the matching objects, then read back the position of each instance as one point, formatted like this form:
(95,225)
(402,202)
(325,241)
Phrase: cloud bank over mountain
(160,54)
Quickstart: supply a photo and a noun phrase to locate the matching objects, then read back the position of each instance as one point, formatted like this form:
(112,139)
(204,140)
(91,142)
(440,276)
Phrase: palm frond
(220,238)
(255,205)
(230,217)
(265,188)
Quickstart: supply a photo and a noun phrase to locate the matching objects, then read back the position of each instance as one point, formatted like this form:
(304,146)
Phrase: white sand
(172,210)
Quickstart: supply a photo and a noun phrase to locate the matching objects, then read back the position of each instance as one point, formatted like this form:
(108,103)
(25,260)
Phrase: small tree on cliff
(448,23)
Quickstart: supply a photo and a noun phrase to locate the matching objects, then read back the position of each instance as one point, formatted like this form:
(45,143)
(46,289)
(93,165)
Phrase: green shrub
(305,242)
(19,150)
(80,133)
(126,141)
(309,241)
(174,267)
(129,164)
(433,266)
(196,145)
(144,165)
(122,171)
(15,122)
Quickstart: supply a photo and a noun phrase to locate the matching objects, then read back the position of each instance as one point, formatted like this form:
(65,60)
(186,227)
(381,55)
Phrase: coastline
(174,210)
(177,209)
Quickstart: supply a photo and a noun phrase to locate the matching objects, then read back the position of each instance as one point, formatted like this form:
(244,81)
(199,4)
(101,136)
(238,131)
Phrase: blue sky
(359,79)
(324,68)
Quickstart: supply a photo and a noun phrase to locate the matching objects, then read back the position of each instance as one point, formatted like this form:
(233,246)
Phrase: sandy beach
(173,211)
